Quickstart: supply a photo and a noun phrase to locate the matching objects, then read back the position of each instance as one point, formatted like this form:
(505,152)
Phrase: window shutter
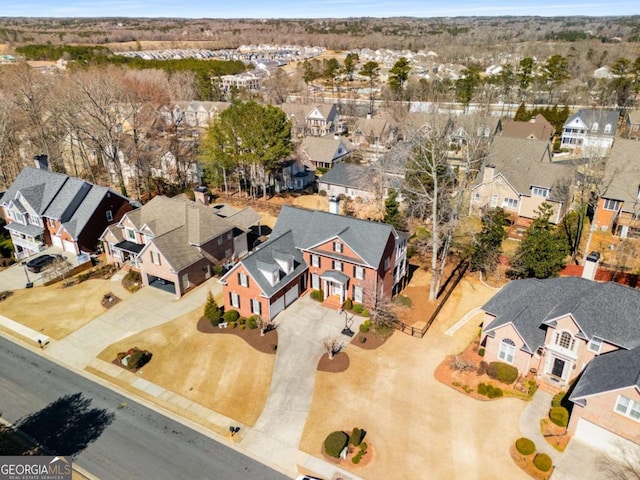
(239,279)
(354,271)
(230,298)
(259,308)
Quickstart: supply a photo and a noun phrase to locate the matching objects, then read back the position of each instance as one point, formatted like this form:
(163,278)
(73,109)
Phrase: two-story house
(323,152)
(173,242)
(45,209)
(341,256)
(538,128)
(518,176)
(633,124)
(590,129)
(314,120)
(618,208)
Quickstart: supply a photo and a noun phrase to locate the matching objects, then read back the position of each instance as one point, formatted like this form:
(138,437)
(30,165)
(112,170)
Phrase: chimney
(41,162)
(368,116)
(488,174)
(201,194)
(336,136)
(591,266)
(334,205)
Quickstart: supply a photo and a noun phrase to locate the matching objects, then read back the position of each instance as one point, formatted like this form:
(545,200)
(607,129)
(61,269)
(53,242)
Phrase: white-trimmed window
(510,203)
(337,265)
(243,279)
(507,350)
(595,344)
(386,263)
(628,408)
(358,294)
(611,204)
(109,214)
(358,272)
(220,239)
(607,128)
(256,306)
(337,247)
(229,235)
(315,281)
(234,298)
(131,234)
(494,201)
(565,340)
(155,257)
(539,192)
(594,127)
(315,261)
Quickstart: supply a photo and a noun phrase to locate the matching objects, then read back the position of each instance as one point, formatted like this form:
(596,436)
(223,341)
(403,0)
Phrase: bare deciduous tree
(332,345)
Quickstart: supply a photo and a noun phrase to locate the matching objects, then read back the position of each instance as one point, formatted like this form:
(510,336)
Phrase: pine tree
(488,247)
(211,310)
(521,114)
(392,214)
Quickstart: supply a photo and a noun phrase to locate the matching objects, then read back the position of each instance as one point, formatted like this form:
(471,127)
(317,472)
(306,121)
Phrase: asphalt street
(125,442)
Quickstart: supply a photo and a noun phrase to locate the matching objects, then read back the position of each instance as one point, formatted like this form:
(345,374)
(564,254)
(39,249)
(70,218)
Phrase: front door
(337,289)
(558,367)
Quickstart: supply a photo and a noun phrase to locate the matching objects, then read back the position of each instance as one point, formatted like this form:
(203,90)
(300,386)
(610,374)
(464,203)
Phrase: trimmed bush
(543,462)
(252,322)
(559,416)
(525,446)
(357,308)
(365,326)
(232,325)
(503,372)
(482,389)
(138,359)
(231,316)
(482,368)
(481,352)
(533,386)
(557,399)
(348,304)
(356,437)
(365,313)
(494,392)
(335,443)
(317,295)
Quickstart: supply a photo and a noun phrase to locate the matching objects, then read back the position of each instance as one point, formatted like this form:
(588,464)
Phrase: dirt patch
(339,363)
(525,462)
(352,452)
(267,343)
(368,341)
(555,435)
(109,300)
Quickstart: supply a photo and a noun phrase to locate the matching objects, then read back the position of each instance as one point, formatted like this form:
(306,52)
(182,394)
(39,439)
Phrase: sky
(312,8)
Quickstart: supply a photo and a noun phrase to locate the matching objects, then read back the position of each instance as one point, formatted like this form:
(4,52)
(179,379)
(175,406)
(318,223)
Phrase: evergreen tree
(392,214)
(211,310)
(543,250)
(488,245)
(521,114)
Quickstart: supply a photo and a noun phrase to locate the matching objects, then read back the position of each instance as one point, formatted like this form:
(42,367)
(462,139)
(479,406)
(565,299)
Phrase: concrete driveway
(301,329)
(147,308)
(15,277)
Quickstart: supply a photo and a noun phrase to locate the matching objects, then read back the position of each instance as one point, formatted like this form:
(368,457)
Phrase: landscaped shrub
(494,392)
(138,358)
(356,437)
(559,416)
(357,308)
(335,443)
(252,322)
(533,386)
(231,325)
(348,304)
(317,295)
(322,193)
(557,399)
(525,446)
(365,313)
(503,372)
(482,389)
(231,316)
(365,326)
(403,301)
(543,462)
(212,311)
(481,352)
(482,368)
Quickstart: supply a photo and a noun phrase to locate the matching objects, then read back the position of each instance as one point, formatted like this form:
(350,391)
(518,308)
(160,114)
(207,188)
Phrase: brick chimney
(201,194)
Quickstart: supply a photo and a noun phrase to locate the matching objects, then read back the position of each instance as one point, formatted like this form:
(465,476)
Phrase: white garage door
(291,295)
(602,439)
(276,307)
(56,241)
(69,246)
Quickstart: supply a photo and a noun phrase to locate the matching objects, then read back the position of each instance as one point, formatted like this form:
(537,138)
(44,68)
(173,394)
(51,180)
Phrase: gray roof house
(323,152)
(590,129)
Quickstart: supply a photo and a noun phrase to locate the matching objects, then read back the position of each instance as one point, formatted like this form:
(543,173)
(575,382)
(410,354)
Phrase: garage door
(56,241)
(69,246)
(602,439)
(291,295)
(276,307)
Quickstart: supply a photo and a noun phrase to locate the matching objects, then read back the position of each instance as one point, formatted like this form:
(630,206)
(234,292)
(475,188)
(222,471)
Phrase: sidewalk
(537,409)
(23,331)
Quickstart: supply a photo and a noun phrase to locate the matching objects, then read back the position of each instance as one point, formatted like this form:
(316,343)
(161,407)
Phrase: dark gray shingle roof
(622,173)
(602,117)
(350,175)
(39,187)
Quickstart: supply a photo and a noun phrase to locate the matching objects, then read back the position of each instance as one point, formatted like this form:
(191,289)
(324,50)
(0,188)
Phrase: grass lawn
(220,372)
(56,311)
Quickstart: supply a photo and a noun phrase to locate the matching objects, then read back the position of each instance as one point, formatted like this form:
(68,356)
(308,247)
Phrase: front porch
(335,287)
(27,240)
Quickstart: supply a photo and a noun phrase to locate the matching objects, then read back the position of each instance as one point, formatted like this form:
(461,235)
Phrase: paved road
(138,444)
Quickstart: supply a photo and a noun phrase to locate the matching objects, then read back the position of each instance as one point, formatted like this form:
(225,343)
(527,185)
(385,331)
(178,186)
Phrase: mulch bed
(526,464)
(265,344)
(555,435)
(109,300)
(371,341)
(339,363)
(347,463)
(118,363)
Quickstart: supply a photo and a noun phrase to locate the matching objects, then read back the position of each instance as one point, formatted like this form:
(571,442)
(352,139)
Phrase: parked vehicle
(37,264)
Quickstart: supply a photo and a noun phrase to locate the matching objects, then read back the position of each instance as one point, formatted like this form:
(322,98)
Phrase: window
(494,201)
(229,235)
(510,203)
(315,281)
(315,261)
(255,306)
(540,192)
(595,345)
(611,204)
(628,407)
(358,272)
(337,265)
(220,241)
(337,247)
(476,196)
(507,350)
(358,294)
(227,253)
(243,279)
(234,298)
(565,340)
(607,128)
(155,257)
(594,127)
(109,216)
(386,263)
(131,235)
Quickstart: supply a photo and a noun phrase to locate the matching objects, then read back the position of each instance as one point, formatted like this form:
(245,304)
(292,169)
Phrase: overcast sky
(310,8)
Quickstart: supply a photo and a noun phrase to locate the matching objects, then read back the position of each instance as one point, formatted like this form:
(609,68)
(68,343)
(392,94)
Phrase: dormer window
(594,127)
(539,192)
(131,234)
(595,344)
(607,128)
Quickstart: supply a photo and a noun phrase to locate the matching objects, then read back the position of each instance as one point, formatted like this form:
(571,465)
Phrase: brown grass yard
(219,372)
(55,311)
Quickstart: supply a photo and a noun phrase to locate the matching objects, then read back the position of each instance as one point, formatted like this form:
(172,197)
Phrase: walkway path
(537,409)
(463,321)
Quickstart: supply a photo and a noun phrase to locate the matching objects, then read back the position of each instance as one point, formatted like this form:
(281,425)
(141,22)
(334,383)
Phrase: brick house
(173,242)
(43,209)
(344,257)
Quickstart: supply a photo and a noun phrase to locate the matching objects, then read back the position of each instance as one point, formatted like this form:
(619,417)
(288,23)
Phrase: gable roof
(536,129)
(634,117)
(83,214)
(589,116)
(609,311)
(38,187)
(526,163)
(310,228)
(264,258)
(609,371)
(350,175)
(622,172)
(324,149)
(375,126)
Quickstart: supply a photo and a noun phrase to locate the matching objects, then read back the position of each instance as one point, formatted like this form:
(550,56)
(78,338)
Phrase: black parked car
(35,265)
